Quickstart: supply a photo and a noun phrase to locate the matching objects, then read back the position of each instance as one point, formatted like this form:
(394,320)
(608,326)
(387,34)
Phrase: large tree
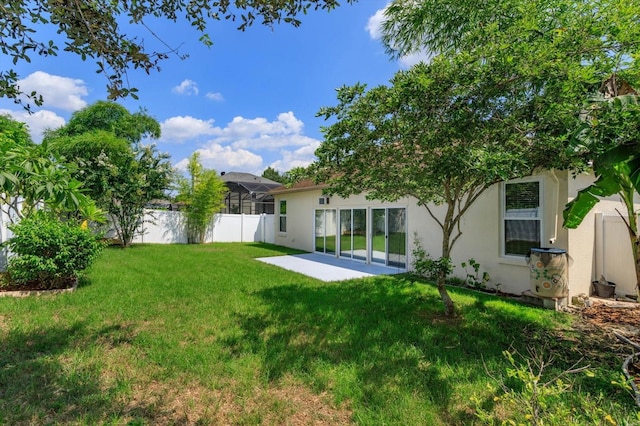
(534,61)
(101,145)
(438,134)
(113,118)
(94,29)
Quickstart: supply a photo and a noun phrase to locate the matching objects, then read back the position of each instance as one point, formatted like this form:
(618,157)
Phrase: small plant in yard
(427,266)
(474,279)
(535,394)
(49,253)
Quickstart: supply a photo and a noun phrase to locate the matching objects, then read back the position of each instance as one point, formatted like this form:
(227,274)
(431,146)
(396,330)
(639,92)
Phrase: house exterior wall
(481,230)
(481,237)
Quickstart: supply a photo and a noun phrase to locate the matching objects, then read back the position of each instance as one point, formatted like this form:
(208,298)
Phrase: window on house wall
(522,217)
(283,215)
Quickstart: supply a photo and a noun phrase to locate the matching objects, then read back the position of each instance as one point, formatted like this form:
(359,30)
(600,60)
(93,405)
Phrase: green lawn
(208,335)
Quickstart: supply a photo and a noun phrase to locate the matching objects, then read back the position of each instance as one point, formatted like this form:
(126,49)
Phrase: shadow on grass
(49,375)
(390,330)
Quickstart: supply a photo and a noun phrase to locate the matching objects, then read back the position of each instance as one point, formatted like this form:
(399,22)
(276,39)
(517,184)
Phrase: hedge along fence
(168,227)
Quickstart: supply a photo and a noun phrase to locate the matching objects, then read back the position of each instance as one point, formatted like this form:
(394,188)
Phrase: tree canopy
(439,133)
(101,145)
(504,88)
(548,56)
(112,118)
(95,30)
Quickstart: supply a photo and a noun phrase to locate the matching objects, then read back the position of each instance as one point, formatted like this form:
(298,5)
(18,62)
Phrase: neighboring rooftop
(247,181)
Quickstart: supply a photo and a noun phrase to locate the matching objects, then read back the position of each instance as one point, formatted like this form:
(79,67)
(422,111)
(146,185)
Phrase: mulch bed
(36,285)
(616,315)
(609,319)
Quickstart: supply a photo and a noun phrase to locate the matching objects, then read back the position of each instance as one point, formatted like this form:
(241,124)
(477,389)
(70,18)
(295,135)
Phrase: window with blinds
(522,217)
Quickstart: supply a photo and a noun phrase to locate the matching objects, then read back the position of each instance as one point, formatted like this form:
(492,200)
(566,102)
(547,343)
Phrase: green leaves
(609,134)
(203,195)
(577,210)
(30,175)
(47,249)
(100,144)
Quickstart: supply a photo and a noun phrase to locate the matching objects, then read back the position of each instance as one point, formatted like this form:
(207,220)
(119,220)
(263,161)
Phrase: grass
(208,335)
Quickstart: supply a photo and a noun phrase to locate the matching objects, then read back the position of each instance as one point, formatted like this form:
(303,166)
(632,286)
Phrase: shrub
(474,279)
(48,251)
(426,266)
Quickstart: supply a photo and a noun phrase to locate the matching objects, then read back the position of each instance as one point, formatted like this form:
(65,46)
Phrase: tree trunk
(445,268)
(449,308)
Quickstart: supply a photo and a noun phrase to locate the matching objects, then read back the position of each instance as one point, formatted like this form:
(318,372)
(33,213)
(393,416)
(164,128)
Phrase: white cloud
(180,128)
(187,87)
(244,143)
(414,58)
(57,92)
(38,122)
(215,96)
(259,133)
(301,157)
(374,25)
(225,159)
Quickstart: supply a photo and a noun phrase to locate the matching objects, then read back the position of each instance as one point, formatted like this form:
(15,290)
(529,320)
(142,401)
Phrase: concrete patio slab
(328,268)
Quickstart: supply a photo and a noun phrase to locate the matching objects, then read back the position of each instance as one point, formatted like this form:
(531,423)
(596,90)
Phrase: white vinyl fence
(167,227)
(613,254)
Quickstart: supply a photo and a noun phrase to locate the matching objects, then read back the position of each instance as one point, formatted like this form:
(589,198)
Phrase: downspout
(554,235)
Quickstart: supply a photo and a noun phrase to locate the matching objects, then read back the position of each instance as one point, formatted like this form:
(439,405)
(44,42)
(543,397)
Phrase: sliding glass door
(389,237)
(347,233)
(325,231)
(353,233)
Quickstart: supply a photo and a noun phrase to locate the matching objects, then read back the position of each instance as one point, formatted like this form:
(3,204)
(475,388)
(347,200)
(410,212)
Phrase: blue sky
(246,103)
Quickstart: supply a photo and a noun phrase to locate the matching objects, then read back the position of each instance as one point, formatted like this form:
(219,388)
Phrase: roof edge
(287,190)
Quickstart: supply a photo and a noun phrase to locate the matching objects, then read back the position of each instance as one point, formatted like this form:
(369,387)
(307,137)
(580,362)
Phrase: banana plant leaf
(576,210)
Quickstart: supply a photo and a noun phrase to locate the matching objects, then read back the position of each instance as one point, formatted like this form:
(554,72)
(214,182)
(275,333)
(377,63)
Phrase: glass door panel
(320,231)
(345,233)
(378,236)
(359,234)
(397,238)
(330,231)
(325,231)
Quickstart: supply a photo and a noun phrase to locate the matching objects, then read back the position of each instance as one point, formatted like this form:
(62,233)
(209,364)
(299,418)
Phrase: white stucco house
(498,231)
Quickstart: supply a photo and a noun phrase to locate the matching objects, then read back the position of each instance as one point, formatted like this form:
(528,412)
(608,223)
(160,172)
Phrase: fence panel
(614,259)
(167,227)
(162,227)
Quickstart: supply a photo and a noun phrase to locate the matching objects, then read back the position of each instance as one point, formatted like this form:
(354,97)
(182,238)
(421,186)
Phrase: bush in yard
(49,253)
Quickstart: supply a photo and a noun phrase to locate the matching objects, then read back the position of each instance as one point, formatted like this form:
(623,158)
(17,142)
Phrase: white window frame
(282,216)
(504,217)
